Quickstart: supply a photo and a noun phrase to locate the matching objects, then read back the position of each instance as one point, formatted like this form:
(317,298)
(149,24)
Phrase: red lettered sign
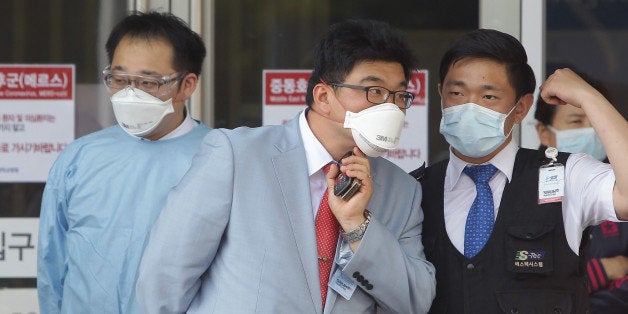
(285,87)
(36,118)
(36,82)
(418,86)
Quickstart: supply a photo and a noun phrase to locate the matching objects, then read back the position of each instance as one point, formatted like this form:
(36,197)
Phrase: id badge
(342,284)
(551,179)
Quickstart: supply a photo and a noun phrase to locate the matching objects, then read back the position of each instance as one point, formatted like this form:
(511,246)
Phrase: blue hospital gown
(103,194)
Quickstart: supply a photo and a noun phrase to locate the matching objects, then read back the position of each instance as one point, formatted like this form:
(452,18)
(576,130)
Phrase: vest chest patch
(529,248)
(529,260)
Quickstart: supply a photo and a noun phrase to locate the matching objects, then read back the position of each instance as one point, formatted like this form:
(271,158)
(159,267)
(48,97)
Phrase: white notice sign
(36,119)
(18,247)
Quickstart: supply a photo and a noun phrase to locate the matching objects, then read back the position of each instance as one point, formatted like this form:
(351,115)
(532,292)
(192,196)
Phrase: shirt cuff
(344,255)
(596,275)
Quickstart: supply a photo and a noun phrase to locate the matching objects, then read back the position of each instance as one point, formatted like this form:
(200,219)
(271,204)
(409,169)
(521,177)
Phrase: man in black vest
(503,225)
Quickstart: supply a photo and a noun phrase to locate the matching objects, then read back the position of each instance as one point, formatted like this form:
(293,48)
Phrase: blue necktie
(481,215)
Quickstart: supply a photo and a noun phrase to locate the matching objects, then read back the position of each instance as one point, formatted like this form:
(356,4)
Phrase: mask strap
(513,108)
(551,128)
(513,124)
(326,117)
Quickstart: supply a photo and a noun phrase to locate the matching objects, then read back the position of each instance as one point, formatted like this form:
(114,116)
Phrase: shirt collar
(503,161)
(317,156)
(186,126)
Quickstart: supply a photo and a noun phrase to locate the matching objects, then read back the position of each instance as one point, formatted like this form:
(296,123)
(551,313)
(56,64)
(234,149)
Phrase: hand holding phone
(346,186)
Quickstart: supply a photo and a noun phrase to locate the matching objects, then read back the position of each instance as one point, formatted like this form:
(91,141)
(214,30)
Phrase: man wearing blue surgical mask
(106,189)
(502,239)
(569,129)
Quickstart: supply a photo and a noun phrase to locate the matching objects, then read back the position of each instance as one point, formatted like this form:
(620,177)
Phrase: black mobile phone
(346,186)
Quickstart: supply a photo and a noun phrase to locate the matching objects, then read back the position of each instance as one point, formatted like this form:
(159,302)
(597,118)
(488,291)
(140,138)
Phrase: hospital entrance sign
(36,118)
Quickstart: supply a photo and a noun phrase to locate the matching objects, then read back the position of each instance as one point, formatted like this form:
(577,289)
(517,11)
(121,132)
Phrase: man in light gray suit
(239,234)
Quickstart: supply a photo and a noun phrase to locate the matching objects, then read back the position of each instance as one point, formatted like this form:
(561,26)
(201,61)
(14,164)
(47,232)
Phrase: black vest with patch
(526,266)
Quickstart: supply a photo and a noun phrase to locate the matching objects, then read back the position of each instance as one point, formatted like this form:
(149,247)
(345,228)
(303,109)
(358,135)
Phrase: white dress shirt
(187,125)
(317,157)
(588,196)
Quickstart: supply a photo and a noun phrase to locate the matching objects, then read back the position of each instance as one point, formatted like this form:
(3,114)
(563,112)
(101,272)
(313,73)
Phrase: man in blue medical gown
(106,189)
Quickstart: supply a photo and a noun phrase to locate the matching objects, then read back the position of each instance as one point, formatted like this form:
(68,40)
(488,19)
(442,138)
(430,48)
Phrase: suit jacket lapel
(292,174)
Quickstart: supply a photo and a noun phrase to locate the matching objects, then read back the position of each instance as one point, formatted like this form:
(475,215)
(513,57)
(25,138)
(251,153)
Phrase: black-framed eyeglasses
(147,83)
(379,95)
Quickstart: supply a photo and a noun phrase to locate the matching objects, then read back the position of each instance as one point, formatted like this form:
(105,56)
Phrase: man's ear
(545,134)
(525,103)
(188,86)
(321,98)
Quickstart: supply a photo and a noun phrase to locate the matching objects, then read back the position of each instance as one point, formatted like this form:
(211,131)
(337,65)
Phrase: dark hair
(545,112)
(350,42)
(188,47)
(496,46)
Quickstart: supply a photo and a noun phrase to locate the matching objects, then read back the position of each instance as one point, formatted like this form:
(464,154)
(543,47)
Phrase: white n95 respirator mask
(376,129)
(138,112)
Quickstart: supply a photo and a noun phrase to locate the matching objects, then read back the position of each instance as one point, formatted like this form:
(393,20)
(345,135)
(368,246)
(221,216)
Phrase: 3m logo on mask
(388,139)
(365,145)
(376,129)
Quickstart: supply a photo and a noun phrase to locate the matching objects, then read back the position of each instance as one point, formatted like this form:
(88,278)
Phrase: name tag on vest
(551,183)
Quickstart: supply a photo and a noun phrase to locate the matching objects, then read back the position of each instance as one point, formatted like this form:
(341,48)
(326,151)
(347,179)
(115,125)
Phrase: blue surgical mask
(473,130)
(580,140)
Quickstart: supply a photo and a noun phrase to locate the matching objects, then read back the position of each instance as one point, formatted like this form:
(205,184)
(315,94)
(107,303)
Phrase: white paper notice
(37,105)
(18,247)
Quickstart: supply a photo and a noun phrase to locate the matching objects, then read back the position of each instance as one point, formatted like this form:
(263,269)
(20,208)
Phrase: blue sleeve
(52,249)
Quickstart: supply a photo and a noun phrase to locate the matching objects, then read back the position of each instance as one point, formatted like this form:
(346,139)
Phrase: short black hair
(188,47)
(496,46)
(545,112)
(347,43)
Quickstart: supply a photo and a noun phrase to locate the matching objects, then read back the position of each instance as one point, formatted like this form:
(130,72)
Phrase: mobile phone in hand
(346,186)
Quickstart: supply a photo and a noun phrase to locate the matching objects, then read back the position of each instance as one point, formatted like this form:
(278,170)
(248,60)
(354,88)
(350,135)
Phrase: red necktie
(326,240)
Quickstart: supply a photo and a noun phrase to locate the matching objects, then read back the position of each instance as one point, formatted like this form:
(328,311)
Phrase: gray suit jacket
(237,236)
